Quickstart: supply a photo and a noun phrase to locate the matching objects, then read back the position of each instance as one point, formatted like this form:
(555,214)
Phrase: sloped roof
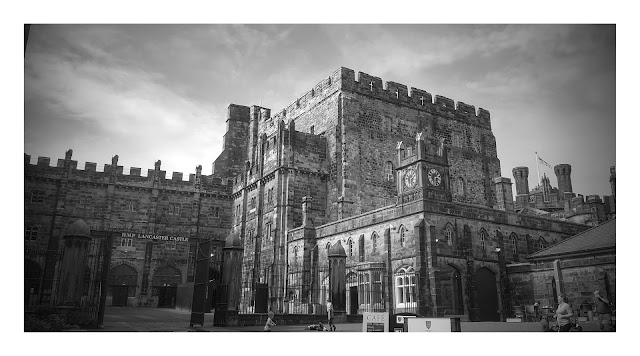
(601,237)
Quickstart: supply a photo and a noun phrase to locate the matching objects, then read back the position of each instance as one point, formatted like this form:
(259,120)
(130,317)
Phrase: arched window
(350,243)
(374,242)
(361,248)
(388,171)
(402,236)
(405,280)
(541,244)
(461,187)
(448,233)
(328,247)
(514,243)
(483,239)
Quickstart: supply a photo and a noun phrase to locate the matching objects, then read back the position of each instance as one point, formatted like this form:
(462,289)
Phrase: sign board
(428,325)
(375,322)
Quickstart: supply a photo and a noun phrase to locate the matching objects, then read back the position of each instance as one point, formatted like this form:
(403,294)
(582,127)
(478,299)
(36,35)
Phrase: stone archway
(450,283)
(164,285)
(487,295)
(122,282)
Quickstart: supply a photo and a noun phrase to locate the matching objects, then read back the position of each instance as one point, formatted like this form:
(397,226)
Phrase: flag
(543,162)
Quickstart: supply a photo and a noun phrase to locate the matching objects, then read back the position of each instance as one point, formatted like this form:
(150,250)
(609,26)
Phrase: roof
(337,250)
(601,237)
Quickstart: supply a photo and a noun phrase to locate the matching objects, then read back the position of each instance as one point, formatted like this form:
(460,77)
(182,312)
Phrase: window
(402,236)
(267,230)
(461,187)
(350,243)
(252,203)
(405,287)
(361,248)
(250,236)
(270,196)
(214,212)
(328,247)
(131,205)
(483,239)
(37,196)
(388,171)
(514,240)
(126,242)
(448,234)
(457,140)
(170,245)
(374,242)
(31,233)
(541,244)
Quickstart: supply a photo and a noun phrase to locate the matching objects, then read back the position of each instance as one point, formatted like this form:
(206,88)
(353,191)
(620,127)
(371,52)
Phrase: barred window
(37,196)
(350,243)
(388,171)
(405,281)
(126,242)
(31,233)
(374,242)
(483,238)
(214,212)
(402,236)
(514,240)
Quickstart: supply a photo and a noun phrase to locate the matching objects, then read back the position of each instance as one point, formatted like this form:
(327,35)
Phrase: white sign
(375,322)
(428,325)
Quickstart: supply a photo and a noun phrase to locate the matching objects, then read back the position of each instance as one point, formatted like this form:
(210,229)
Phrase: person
(318,327)
(270,323)
(604,312)
(563,314)
(330,315)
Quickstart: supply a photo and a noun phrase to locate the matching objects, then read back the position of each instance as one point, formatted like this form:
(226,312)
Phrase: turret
(612,180)
(521,176)
(563,173)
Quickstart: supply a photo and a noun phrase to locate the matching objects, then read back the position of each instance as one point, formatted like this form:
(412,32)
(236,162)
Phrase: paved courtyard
(165,320)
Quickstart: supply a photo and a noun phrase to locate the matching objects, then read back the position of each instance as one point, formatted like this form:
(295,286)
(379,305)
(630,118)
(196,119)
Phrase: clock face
(434,177)
(410,178)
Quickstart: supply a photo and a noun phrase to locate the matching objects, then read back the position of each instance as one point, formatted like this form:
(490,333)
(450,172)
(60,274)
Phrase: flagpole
(537,168)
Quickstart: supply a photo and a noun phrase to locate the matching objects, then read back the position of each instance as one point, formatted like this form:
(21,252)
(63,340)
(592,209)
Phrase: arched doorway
(451,290)
(487,295)
(165,285)
(122,283)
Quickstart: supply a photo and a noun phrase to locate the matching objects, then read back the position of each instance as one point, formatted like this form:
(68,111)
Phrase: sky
(160,92)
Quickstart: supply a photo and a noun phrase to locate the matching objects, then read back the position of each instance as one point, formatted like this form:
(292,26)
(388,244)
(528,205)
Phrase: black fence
(42,273)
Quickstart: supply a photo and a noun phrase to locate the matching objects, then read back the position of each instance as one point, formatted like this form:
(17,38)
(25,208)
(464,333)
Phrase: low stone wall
(292,319)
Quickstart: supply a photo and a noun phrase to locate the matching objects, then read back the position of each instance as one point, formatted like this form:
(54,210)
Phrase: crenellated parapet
(115,174)
(345,79)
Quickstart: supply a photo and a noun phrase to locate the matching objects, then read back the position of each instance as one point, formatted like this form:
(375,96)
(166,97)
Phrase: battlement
(366,84)
(90,172)
(416,98)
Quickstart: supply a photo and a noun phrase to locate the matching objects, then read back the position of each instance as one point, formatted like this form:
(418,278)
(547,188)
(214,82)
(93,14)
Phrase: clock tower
(423,170)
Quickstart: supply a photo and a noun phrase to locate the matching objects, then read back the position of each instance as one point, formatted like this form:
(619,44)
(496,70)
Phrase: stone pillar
(422,267)
(338,282)
(505,289)
(232,277)
(76,246)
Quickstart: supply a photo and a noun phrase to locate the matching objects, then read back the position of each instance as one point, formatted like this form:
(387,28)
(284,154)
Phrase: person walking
(330,315)
(270,323)
(563,314)
(604,312)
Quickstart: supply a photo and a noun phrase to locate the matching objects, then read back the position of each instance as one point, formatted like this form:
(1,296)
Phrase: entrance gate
(262,296)
(487,295)
(200,283)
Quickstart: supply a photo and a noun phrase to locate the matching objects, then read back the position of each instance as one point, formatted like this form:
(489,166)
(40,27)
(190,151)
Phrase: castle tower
(563,173)
(612,180)
(504,193)
(521,176)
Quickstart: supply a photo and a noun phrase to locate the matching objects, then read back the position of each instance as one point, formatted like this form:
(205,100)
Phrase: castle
(369,194)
